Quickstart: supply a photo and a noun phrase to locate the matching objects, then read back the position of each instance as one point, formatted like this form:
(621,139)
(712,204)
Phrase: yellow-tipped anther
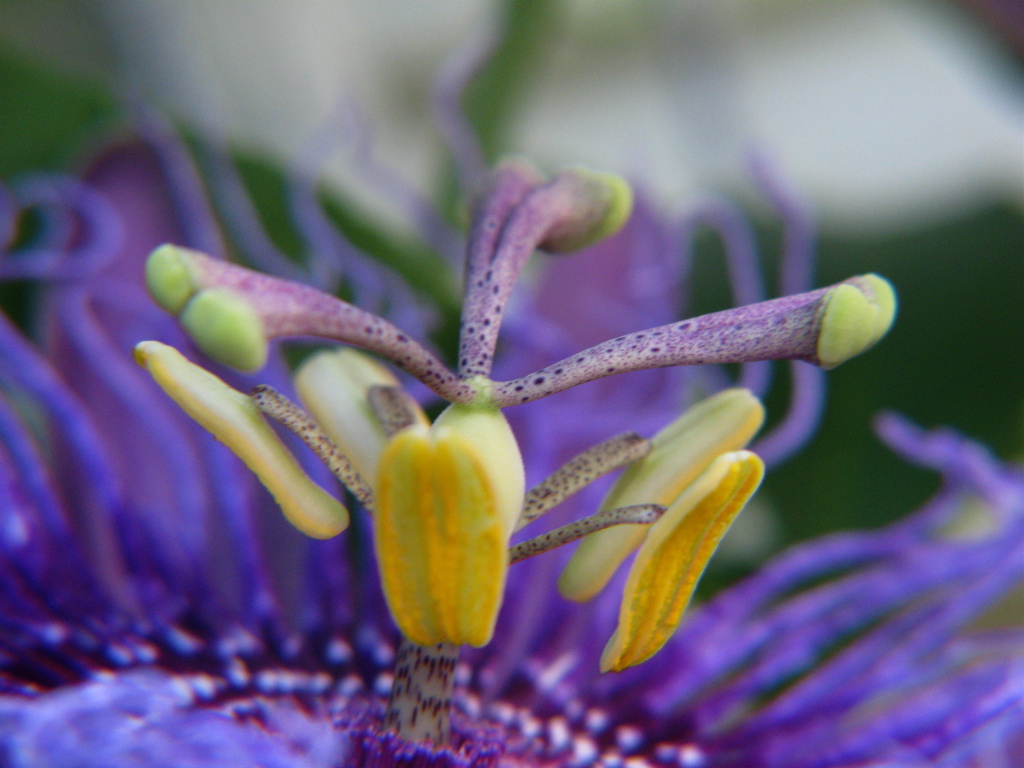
(682,451)
(854,316)
(674,555)
(169,278)
(486,429)
(445,510)
(605,200)
(333,385)
(227,328)
(234,420)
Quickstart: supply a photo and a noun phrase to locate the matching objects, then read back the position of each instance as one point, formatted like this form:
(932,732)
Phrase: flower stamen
(394,408)
(638,514)
(682,450)
(674,554)
(447,499)
(234,419)
(294,419)
(580,471)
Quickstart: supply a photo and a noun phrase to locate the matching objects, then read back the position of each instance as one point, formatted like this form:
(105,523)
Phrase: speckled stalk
(581,471)
(421,694)
(394,408)
(540,213)
(781,329)
(288,309)
(639,514)
(285,412)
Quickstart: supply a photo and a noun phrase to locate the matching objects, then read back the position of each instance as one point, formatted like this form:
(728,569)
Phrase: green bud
(169,278)
(227,328)
(854,316)
(605,203)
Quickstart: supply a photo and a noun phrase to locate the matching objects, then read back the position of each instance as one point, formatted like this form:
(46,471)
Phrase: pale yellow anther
(682,451)
(333,386)
(854,316)
(447,498)
(486,429)
(674,554)
(234,420)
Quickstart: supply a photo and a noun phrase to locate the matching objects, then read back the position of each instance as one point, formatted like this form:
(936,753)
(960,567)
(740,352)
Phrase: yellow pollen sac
(445,512)
(234,420)
(723,422)
(334,385)
(675,554)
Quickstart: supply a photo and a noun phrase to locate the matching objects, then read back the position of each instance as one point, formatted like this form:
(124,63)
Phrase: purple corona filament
(184,183)
(460,68)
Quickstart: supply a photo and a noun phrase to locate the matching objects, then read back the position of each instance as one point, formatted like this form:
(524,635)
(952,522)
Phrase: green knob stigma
(227,328)
(854,316)
(169,278)
(605,203)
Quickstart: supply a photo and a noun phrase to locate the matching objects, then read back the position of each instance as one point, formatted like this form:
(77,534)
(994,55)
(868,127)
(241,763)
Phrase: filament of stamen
(580,471)
(285,412)
(638,514)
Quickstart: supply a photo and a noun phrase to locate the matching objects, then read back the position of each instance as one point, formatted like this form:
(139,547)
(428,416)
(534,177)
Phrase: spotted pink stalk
(786,328)
(518,216)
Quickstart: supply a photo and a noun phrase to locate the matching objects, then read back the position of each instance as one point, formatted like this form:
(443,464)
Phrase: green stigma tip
(169,279)
(854,316)
(620,205)
(227,328)
(606,202)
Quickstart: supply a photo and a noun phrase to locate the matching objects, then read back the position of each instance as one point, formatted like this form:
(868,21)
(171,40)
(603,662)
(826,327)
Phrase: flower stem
(421,694)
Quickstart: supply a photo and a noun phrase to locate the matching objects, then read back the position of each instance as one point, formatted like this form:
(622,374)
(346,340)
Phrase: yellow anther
(447,498)
(486,429)
(682,451)
(234,420)
(674,555)
(333,385)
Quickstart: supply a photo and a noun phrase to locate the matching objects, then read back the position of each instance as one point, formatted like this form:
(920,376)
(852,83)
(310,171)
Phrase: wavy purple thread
(153,415)
(32,373)
(808,384)
(184,182)
(454,76)
(79,234)
(744,272)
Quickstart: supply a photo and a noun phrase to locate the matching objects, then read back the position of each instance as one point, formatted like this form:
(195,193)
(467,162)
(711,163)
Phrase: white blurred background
(888,114)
